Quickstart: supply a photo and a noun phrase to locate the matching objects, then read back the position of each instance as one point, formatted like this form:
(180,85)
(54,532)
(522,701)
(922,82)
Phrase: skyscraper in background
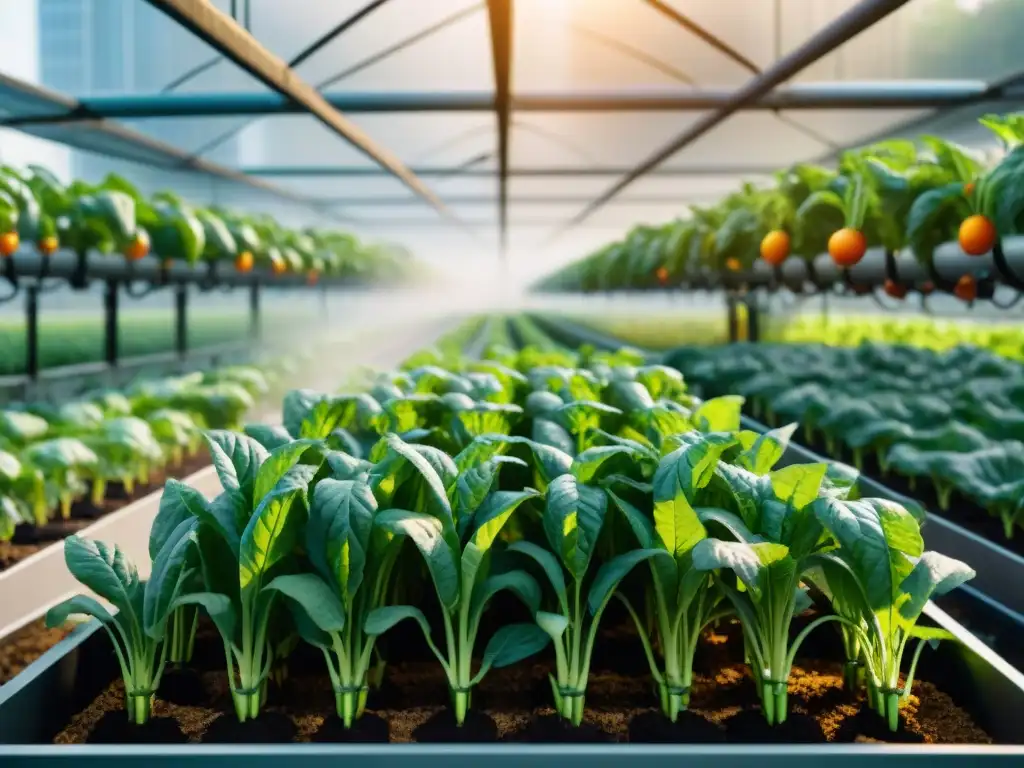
(113,46)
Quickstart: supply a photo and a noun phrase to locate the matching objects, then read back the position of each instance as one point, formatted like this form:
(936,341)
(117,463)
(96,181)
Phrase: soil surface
(26,645)
(29,539)
(514,705)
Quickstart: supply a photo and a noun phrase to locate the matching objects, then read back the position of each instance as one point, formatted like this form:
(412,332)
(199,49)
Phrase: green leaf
(237,459)
(588,464)
(798,484)
(721,414)
(165,578)
(611,573)
(179,501)
(426,532)
(316,598)
(495,512)
(547,432)
(766,450)
(270,437)
(104,570)
(271,533)
(339,531)
(510,645)
(520,583)
(218,607)
(549,564)
(932,576)
(554,624)
(79,604)
(278,463)
(380,620)
(573,518)
(743,559)
(878,538)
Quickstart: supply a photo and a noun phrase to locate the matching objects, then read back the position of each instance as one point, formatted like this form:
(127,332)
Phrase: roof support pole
(826,40)
(223,33)
(499,14)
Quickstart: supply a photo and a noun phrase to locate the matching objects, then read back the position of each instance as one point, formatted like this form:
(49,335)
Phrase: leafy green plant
(457,553)
(138,624)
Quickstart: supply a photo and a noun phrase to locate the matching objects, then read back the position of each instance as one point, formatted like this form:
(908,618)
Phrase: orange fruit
(138,248)
(733,265)
(244,261)
(48,245)
(662,274)
(278,266)
(977,235)
(969,189)
(966,288)
(847,246)
(9,242)
(775,247)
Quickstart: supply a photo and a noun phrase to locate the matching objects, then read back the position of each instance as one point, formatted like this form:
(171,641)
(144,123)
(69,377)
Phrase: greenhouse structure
(539,382)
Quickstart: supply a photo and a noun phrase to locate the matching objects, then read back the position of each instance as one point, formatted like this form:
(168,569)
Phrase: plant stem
(65,506)
(99,491)
(139,707)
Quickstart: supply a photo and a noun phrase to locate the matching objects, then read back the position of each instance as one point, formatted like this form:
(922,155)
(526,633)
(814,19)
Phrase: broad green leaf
(573,518)
(495,512)
(314,596)
(237,458)
(339,530)
(878,538)
(380,620)
(218,607)
(79,604)
(165,577)
(554,624)
(798,484)
(270,437)
(511,644)
(179,501)
(271,533)
(766,450)
(426,532)
(278,463)
(932,576)
(103,569)
(589,463)
(720,414)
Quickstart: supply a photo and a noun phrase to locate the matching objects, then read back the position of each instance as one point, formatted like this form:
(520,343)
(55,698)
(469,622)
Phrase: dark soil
(183,686)
(441,728)
(115,728)
(689,728)
(29,539)
(514,705)
(268,728)
(368,729)
(26,645)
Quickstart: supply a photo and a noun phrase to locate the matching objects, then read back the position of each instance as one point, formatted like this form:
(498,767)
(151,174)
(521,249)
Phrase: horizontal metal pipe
(358,171)
(64,266)
(824,95)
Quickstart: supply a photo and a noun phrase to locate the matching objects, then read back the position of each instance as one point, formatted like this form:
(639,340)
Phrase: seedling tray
(1000,571)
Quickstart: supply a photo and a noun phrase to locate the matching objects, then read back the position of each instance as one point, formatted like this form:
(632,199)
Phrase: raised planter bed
(65,694)
(1000,570)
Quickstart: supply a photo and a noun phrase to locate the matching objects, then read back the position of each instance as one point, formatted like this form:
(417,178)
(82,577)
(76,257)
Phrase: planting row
(499,508)
(59,461)
(950,423)
(663,330)
(36,208)
(897,194)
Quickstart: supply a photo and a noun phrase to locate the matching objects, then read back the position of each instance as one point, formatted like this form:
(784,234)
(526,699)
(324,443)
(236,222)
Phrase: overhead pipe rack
(34,275)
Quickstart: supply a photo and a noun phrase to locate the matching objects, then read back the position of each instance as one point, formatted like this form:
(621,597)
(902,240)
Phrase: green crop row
(571,470)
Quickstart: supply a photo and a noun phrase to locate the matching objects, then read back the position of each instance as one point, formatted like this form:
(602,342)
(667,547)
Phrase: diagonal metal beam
(723,47)
(631,52)
(696,29)
(341,28)
(499,14)
(400,46)
(379,56)
(826,40)
(225,35)
(568,172)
